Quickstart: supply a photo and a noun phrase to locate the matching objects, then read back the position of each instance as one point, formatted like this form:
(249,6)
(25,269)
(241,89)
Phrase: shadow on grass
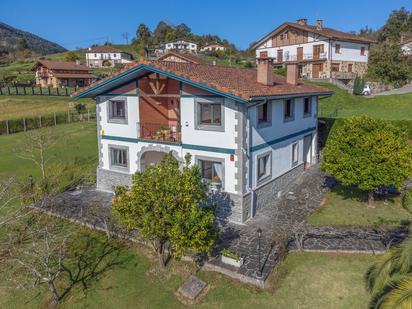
(355,194)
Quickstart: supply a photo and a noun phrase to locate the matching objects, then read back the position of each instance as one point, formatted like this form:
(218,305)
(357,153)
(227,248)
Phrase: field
(348,206)
(13,107)
(304,281)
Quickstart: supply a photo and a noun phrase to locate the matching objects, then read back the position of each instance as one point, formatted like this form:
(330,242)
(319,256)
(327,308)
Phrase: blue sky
(77,23)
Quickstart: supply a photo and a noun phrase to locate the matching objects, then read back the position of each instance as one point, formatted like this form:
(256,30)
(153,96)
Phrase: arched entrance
(153,154)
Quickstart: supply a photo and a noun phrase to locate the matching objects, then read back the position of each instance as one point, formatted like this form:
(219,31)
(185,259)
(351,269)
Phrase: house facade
(181,57)
(106,56)
(406,47)
(320,52)
(212,47)
(50,73)
(250,132)
(178,45)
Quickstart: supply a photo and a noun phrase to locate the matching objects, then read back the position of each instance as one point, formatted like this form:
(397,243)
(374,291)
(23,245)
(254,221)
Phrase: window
(350,67)
(264,114)
(307,106)
(209,116)
(95,55)
(114,55)
(264,167)
(362,51)
(288,110)
(263,54)
(281,37)
(337,49)
(117,110)
(285,36)
(335,67)
(295,154)
(211,170)
(118,157)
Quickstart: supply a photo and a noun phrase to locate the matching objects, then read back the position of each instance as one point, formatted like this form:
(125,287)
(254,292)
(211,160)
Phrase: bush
(358,86)
(280,71)
(407,200)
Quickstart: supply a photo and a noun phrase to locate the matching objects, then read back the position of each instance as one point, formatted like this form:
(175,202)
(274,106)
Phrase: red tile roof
(104,49)
(186,57)
(326,32)
(61,65)
(238,82)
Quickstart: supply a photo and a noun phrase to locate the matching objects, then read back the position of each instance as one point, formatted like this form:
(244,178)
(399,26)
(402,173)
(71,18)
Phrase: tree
(389,280)
(71,56)
(143,34)
(9,214)
(358,86)
(367,153)
(168,207)
(395,25)
(183,30)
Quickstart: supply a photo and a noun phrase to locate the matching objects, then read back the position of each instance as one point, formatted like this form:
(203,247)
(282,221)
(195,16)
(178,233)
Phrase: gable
(289,36)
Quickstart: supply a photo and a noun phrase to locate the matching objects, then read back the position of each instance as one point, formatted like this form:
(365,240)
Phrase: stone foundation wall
(108,180)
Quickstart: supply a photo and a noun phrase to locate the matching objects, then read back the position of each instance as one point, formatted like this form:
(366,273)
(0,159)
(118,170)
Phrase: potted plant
(216,183)
(232,258)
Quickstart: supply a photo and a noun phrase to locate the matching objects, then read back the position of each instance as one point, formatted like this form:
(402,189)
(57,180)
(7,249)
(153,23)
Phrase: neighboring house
(320,52)
(406,47)
(250,131)
(178,45)
(106,56)
(181,57)
(51,73)
(213,47)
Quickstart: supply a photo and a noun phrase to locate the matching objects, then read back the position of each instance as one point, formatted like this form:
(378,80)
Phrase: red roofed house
(250,131)
(50,73)
(319,51)
(106,56)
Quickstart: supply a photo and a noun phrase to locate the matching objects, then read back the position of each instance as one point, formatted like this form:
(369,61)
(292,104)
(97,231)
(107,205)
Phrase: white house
(213,47)
(320,52)
(406,47)
(178,45)
(106,56)
(250,131)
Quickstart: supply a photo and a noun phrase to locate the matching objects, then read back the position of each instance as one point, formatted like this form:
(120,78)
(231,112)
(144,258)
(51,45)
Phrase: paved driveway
(405,89)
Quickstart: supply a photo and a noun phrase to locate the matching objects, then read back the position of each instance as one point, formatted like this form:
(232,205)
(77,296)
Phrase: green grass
(77,146)
(13,107)
(348,206)
(391,107)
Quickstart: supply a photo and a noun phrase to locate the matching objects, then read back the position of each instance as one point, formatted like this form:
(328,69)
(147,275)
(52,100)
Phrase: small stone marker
(192,288)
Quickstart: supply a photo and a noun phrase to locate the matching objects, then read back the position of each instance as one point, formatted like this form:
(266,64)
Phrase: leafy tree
(164,205)
(367,153)
(143,34)
(71,56)
(395,25)
(389,280)
(183,31)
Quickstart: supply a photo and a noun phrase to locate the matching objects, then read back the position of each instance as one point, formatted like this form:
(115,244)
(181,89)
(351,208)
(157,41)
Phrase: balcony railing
(303,57)
(159,132)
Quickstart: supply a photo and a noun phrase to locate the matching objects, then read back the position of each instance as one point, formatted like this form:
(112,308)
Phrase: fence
(36,122)
(33,90)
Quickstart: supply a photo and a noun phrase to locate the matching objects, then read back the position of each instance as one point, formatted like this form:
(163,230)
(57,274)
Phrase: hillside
(12,39)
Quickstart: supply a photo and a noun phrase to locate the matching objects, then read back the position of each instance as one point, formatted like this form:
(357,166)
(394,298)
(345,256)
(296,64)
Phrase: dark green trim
(137,86)
(207,148)
(281,139)
(185,146)
(200,96)
(120,94)
(155,70)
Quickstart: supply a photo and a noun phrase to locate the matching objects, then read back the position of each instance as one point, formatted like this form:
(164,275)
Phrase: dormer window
(337,49)
(288,110)
(264,115)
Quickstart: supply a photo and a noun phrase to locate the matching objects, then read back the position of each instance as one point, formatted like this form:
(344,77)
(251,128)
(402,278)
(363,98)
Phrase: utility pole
(125,36)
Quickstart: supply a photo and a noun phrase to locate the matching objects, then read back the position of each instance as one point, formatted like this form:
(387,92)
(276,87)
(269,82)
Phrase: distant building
(319,51)
(62,74)
(213,47)
(106,56)
(181,57)
(178,45)
(406,47)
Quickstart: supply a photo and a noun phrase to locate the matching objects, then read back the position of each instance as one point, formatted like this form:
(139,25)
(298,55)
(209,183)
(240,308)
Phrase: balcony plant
(232,258)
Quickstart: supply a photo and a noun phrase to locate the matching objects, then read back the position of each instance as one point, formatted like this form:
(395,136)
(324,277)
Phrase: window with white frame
(119,157)
(264,114)
(209,115)
(117,111)
(288,110)
(211,170)
(307,106)
(264,168)
(295,154)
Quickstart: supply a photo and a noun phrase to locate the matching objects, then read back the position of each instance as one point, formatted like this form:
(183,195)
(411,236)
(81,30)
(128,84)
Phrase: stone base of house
(109,180)
(230,207)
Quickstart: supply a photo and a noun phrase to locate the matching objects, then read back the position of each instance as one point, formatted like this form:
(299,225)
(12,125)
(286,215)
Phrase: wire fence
(24,124)
(35,90)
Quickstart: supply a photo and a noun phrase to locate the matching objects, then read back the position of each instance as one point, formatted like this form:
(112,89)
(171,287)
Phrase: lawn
(390,107)
(13,107)
(348,206)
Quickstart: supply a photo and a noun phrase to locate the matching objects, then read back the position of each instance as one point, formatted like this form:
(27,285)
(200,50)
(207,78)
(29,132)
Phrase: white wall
(349,51)
(104,56)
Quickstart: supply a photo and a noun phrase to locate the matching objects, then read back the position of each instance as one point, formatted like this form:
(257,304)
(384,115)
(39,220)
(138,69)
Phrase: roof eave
(289,96)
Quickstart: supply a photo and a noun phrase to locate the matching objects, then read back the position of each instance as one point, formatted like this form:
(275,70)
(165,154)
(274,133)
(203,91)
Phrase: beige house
(50,73)
(213,47)
(181,57)
(320,52)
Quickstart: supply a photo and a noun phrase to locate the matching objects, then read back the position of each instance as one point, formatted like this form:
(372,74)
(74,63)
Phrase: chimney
(78,62)
(265,74)
(292,73)
(319,24)
(302,21)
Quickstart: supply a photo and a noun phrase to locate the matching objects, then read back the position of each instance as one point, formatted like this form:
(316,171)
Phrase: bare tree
(299,232)
(9,211)
(102,217)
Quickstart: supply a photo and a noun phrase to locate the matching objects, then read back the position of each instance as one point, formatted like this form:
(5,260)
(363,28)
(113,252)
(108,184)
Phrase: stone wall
(108,180)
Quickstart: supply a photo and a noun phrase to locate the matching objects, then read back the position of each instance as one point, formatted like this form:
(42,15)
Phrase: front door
(299,53)
(307,151)
(280,55)
(317,50)
(316,69)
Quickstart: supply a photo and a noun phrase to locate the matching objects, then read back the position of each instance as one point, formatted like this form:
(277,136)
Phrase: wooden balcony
(159,132)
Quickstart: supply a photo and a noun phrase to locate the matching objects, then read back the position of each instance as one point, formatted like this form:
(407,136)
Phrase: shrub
(280,71)
(407,200)
(231,254)
(358,86)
